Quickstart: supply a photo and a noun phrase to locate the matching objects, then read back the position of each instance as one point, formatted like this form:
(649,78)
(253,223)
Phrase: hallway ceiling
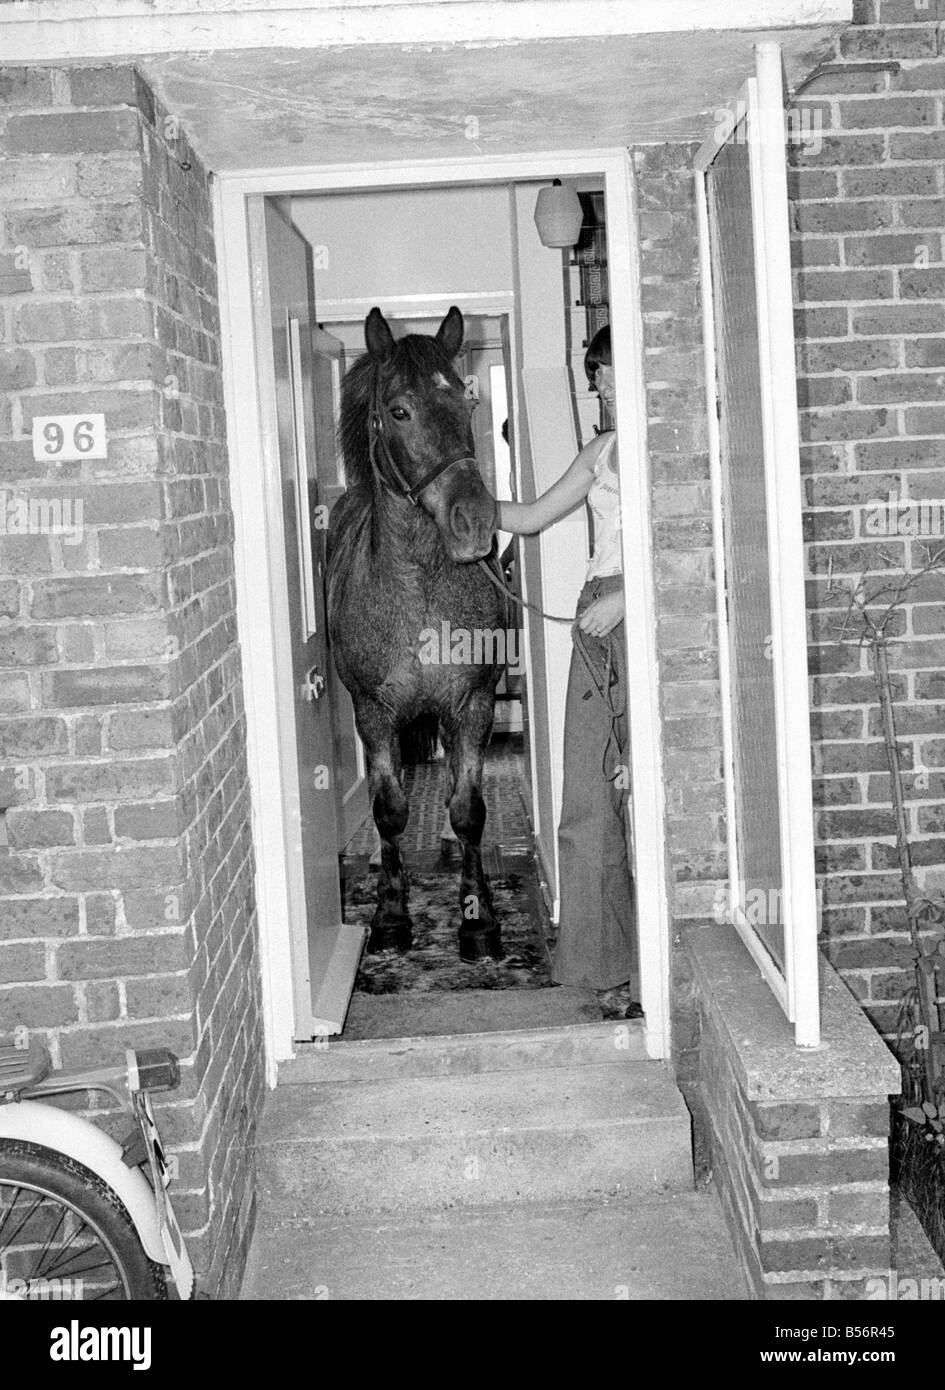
(260,108)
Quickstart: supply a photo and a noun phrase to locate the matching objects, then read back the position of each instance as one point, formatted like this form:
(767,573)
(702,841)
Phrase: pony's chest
(427,629)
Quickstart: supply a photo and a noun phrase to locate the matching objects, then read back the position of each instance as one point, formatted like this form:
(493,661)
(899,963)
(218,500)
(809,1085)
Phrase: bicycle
(78,1217)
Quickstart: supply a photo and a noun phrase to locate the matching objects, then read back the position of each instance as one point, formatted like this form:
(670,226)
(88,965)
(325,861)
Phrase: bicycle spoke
(10,1209)
(62,1256)
(35,1207)
(62,1250)
(97,1298)
(59,1224)
(61,1269)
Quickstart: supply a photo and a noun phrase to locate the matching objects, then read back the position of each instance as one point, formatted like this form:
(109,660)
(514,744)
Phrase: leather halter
(379,449)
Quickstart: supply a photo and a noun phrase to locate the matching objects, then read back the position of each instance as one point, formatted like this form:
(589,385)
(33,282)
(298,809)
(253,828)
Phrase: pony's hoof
(481,944)
(390,937)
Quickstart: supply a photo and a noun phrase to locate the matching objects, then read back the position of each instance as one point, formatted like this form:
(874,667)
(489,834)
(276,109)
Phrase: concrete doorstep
(473,1139)
(666,1247)
(519,1162)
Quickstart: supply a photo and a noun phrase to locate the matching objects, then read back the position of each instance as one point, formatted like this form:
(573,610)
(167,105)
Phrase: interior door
(297,424)
(351,787)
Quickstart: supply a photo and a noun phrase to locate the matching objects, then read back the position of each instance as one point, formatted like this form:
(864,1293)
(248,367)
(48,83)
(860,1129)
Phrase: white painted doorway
(257,541)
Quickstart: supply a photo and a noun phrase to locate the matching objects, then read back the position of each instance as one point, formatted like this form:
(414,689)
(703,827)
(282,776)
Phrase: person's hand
(602,616)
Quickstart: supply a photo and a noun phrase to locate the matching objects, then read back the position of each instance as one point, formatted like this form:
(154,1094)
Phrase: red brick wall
(128,915)
(799,1153)
(868,212)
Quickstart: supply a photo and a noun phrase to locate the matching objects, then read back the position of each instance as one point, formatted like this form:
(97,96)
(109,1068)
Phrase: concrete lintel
(68,29)
(852,1060)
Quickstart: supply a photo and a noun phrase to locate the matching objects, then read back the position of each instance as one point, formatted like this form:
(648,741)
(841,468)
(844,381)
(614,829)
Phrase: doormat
(433,962)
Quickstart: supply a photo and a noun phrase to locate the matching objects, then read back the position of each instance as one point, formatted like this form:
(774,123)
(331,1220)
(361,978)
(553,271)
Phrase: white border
(258,620)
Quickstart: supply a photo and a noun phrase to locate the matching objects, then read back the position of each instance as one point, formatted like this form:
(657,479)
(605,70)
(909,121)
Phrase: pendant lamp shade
(558,215)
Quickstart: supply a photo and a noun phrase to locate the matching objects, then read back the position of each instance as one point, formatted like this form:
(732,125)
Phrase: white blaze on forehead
(440,380)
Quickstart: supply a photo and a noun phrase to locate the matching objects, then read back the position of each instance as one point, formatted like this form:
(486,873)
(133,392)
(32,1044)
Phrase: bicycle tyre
(46,1172)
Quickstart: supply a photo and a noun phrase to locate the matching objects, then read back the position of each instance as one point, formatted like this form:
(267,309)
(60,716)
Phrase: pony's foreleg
(391,926)
(479,932)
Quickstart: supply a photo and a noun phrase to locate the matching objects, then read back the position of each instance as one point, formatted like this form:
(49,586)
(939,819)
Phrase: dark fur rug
(433,963)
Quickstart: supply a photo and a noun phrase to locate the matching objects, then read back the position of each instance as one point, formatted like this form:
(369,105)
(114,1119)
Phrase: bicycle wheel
(64,1234)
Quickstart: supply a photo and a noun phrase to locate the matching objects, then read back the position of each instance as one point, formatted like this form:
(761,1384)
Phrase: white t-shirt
(604,502)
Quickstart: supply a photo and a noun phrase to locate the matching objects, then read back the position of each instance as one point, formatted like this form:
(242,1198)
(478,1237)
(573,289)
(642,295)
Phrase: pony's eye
(398,413)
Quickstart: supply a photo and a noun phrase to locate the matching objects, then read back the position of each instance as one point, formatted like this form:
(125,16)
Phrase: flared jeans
(597,934)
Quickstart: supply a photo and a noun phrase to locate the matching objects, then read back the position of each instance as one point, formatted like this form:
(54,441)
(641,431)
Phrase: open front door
(297,410)
(749,338)
(350,768)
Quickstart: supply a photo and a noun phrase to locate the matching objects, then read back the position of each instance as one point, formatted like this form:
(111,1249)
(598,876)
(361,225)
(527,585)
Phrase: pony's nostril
(460,524)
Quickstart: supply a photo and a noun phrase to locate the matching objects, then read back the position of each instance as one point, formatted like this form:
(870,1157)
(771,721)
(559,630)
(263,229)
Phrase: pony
(402,586)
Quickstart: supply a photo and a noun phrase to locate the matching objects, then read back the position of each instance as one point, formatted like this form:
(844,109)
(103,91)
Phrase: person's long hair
(598,353)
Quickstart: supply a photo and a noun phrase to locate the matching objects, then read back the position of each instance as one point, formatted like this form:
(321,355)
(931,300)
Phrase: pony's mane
(414,358)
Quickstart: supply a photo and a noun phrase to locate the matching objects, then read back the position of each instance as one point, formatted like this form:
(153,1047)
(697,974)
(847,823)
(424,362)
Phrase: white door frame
(258,538)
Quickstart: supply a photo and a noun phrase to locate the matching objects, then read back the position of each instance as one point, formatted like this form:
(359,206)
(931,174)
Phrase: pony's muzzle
(472,526)
(464,510)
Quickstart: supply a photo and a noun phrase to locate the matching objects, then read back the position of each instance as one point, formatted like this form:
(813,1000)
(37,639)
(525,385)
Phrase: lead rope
(532,607)
(603,687)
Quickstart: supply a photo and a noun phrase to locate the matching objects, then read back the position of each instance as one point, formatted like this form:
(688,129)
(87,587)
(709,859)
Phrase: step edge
(290,1071)
(526,1061)
(629,1124)
(609,1191)
(508,1206)
(430,1066)
(581,1104)
(645,1070)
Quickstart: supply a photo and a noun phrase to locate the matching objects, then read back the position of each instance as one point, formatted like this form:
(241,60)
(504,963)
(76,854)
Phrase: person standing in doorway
(597,938)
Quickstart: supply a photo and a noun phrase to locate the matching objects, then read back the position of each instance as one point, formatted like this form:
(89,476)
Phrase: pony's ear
(377,335)
(449,335)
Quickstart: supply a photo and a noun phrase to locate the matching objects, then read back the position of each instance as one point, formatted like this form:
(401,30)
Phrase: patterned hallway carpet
(433,963)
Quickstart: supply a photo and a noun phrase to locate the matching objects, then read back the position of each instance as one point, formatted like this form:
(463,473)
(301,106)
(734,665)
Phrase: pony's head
(406,394)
